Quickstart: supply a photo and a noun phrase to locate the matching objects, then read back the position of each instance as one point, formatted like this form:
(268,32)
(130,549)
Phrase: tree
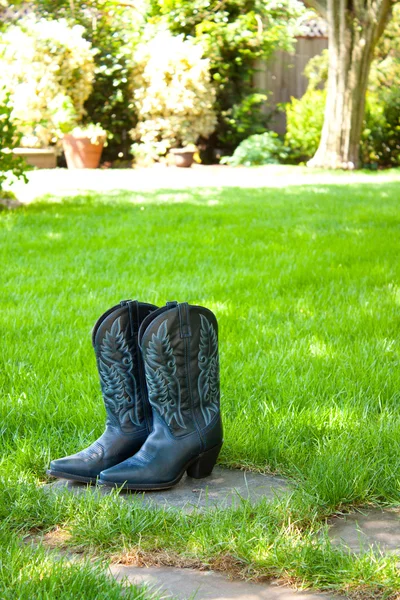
(355,27)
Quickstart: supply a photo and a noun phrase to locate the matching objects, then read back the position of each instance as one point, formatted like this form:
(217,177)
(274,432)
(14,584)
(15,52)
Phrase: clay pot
(80,153)
(182,157)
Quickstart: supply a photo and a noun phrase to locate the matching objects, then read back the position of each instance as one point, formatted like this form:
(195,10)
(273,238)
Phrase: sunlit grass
(27,572)
(305,284)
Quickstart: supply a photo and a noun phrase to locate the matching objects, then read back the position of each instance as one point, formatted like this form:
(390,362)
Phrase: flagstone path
(368,528)
(358,531)
(223,488)
(185,584)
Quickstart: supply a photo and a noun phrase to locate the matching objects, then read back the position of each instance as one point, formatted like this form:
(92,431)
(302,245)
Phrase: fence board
(283,76)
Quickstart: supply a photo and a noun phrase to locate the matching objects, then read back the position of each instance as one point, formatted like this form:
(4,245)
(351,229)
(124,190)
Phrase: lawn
(304,281)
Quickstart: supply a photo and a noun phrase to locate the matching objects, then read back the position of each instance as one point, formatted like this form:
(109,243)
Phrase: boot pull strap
(184,323)
(171,304)
(133,309)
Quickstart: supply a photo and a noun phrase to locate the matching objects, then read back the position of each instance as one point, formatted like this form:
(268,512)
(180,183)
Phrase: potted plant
(83,146)
(184,157)
(47,68)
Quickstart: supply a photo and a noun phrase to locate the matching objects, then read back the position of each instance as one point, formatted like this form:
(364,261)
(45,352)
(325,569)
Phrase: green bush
(11,166)
(261,149)
(304,121)
(114,36)
(380,144)
(234,33)
(244,119)
(173,94)
(113,31)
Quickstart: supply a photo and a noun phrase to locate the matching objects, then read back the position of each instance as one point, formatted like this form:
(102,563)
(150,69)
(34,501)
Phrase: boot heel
(204,464)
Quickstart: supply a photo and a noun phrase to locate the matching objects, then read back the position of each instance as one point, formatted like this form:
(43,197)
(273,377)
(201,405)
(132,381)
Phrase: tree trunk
(355,27)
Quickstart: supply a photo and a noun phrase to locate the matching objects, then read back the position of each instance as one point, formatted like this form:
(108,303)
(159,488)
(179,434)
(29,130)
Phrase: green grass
(27,573)
(305,284)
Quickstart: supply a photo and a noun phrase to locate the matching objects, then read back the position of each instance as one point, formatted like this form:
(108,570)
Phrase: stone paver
(207,585)
(376,528)
(223,488)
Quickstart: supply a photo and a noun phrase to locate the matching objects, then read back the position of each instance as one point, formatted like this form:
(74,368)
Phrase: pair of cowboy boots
(159,374)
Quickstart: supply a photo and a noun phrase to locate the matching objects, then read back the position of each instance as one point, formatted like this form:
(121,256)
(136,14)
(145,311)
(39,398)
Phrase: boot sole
(199,467)
(70,477)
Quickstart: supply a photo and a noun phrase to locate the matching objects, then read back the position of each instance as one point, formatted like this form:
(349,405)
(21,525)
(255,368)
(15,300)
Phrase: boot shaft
(120,366)
(179,344)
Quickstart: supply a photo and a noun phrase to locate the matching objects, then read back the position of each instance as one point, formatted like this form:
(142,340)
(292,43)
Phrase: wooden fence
(283,76)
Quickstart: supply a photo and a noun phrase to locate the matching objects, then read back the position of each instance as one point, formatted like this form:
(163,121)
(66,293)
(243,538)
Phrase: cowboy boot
(122,379)
(179,345)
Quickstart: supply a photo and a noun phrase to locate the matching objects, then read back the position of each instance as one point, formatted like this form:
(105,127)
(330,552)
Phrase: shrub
(304,121)
(47,67)
(234,33)
(11,167)
(380,143)
(112,29)
(261,149)
(244,119)
(173,95)
(114,37)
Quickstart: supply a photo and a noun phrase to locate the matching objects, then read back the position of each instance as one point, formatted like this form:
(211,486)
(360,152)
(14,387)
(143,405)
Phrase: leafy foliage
(47,68)
(263,149)
(316,70)
(112,30)
(173,95)
(234,34)
(380,142)
(381,137)
(244,119)
(11,166)
(304,121)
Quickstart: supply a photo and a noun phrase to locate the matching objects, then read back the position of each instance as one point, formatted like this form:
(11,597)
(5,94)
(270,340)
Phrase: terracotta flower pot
(80,153)
(183,157)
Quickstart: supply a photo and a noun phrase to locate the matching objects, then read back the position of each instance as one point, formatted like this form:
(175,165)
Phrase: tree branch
(385,14)
(319,5)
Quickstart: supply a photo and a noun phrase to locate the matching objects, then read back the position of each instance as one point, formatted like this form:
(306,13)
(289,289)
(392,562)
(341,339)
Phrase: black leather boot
(122,379)
(179,346)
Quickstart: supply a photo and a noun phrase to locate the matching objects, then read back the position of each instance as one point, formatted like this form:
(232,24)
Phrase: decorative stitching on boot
(208,384)
(93,453)
(117,379)
(163,385)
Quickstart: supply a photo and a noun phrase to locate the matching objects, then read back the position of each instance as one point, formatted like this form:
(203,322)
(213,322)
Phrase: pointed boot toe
(141,473)
(122,380)
(72,467)
(115,476)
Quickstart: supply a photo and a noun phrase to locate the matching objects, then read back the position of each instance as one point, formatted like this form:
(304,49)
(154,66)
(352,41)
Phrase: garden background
(298,266)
